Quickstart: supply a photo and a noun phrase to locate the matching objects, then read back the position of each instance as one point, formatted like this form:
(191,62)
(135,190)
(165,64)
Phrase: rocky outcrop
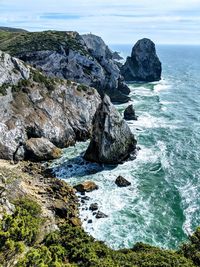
(84,59)
(100,215)
(122,182)
(33,106)
(112,140)
(144,64)
(129,113)
(41,149)
(86,186)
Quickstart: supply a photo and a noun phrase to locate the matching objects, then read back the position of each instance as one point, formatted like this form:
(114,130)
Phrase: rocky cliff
(83,59)
(144,64)
(33,105)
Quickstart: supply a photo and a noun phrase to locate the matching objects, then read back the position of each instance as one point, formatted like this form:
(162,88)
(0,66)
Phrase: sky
(116,21)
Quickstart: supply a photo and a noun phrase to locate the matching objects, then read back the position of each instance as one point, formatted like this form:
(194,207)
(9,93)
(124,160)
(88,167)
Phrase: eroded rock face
(112,140)
(144,64)
(34,106)
(41,149)
(84,59)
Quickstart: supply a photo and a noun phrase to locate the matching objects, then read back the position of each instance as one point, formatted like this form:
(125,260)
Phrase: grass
(16,43)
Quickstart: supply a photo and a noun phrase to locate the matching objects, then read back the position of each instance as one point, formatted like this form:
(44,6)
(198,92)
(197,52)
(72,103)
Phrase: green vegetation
(3,89)
(22,83)
(86,89)
(82,87)
(72,244)
(19,229)
(16,43)
(191,249)
(40,78)
(72,247)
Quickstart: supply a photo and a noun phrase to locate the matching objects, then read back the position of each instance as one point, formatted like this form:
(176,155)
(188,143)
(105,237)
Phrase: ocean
(162,205)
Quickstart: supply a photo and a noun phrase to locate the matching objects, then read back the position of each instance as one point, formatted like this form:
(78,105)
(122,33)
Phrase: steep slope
(70,56)
(33,105)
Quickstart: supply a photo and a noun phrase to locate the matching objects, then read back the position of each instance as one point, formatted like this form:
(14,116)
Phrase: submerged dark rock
(122,182)
(100,215)
(129,113)
(112,140)
(93,207)
(144,64)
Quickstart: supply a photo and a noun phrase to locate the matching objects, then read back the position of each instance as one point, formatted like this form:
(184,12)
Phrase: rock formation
(41,149)
(86,186)
(33,105)
(144,64)
(122,182)
(112,141)
(84,59)
(129,113)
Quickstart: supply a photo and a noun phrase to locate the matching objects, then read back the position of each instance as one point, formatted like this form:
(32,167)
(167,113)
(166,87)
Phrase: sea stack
(144,64)
(112,140)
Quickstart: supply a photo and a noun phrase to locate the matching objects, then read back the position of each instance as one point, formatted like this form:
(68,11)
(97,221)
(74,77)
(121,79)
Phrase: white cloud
(116,21)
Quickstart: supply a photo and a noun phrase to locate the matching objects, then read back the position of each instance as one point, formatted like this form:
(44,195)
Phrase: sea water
(162,205)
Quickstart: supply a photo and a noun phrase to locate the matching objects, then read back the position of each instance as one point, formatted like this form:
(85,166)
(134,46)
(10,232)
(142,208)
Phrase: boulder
(144,64)
(100,215)
(41,149)
(129,113)
(86,186)
(112,141)
(122,182)
(93,207)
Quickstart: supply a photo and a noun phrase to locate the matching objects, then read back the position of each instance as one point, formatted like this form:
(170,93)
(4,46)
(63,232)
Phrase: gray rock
(112,140)
(41,149)
(129,113)
(144,64)
(59,110)
(84,59)
(122,182)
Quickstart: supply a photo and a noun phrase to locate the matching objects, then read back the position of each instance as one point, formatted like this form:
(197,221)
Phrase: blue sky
(118,22)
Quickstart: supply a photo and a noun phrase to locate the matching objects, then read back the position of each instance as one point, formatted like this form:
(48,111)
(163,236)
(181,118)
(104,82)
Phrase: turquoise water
(162,205)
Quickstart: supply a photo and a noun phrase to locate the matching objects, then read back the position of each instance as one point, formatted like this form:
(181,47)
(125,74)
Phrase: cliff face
(83,59)
(144,64)
(32,105)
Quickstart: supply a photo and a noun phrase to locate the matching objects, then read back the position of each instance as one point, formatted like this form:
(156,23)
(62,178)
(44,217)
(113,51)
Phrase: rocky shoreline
(51,96)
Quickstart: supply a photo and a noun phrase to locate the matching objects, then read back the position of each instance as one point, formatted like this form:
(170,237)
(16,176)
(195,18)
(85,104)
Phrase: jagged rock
(144,64)
(93,207)
(100,215)
(112,141)
(41,149)
(116,56)
(86,186)
(122,182)
(84,59)
(129,113)
(33,105)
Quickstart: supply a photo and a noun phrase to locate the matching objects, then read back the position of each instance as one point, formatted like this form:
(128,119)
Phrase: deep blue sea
(162,205)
